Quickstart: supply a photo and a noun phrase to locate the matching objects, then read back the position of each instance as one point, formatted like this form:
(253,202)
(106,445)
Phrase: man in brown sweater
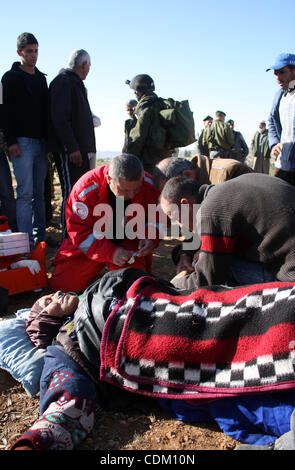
(200,168)
(246,229)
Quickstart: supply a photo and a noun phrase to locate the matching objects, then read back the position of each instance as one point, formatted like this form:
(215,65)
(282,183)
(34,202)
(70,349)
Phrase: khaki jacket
(218,170)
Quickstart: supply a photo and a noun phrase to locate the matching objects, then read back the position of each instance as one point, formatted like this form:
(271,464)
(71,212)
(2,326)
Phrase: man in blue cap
(281,121)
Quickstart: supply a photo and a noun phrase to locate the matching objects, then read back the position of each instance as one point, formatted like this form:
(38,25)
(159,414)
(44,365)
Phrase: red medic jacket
(84,217)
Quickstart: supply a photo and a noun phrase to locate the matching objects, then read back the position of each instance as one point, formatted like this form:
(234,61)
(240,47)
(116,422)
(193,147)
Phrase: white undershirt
(287,116)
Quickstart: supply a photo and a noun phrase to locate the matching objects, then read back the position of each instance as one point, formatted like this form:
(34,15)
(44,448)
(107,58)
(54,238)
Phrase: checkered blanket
(212,343)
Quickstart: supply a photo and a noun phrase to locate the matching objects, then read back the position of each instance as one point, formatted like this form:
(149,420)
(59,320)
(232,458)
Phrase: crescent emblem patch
(80,209)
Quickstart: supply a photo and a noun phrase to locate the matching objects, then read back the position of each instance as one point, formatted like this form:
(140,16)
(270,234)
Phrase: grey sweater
(251,217)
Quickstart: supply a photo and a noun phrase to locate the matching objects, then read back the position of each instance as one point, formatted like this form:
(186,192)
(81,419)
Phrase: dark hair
(126,166)
(179,187)
(291,67)
(24,39)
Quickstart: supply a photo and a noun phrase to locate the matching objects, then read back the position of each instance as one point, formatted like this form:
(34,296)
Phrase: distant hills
(107,154)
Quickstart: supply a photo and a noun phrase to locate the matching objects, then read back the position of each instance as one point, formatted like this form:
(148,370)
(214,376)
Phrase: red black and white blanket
(212,343)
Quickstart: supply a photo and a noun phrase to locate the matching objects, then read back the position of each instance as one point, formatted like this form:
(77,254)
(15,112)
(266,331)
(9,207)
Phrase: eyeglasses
(61,294)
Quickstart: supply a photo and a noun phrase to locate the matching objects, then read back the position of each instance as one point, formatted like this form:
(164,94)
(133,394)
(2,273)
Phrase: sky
(214,53)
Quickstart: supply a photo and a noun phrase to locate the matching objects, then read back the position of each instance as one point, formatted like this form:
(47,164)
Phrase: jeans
(244,272)
(30,171)
(68,174)
(68,399)
(7,200)
(288,176)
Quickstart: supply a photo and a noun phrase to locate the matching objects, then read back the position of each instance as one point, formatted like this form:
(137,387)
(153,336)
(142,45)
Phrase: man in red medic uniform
(103,199)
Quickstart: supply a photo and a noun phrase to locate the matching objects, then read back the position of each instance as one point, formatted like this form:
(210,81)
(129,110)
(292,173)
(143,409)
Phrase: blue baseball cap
(282,60)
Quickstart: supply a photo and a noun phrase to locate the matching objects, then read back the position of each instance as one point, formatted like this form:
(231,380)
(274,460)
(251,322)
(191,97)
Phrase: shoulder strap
(145,105)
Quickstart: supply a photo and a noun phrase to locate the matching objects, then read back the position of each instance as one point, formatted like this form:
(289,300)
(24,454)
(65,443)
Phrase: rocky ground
(129,422)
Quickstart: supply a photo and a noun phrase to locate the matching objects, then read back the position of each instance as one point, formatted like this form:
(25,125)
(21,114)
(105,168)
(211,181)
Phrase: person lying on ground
(79,359)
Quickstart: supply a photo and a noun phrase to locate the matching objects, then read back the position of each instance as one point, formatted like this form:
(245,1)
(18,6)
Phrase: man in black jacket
(71,130)
(25,97)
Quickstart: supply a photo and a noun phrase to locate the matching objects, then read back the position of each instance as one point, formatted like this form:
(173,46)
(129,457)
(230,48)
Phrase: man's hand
(145,247)
(184,264)
(196,257)
(121,256)
(76,158)
(276,150)
(180,275)
(14,150)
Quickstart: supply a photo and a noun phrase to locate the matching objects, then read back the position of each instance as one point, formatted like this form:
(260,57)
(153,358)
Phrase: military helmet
(141,83)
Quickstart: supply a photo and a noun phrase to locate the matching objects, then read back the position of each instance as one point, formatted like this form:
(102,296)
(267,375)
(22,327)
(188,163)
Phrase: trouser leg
(288,176)
(7,199)
(23,171)
(48,195)
(74,272)
(40,169)
(68,174)
(243,272)
(68,399)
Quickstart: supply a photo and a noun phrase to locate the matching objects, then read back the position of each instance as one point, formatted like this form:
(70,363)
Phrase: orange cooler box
(21,279)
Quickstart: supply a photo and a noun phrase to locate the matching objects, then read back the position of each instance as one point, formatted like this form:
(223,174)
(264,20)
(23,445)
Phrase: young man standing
(25,96)
(281,123)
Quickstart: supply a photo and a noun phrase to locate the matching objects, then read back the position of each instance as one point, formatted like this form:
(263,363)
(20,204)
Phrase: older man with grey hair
(71,130)
(200,168)
(109,223)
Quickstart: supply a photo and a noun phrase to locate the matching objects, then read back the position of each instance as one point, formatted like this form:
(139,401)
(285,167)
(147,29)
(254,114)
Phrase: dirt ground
(130,422)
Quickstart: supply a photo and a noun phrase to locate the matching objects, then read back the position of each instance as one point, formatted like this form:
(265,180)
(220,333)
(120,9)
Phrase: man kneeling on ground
(99,214)
(245,229)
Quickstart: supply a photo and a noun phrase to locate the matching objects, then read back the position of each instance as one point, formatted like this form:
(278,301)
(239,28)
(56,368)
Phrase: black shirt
(25,104)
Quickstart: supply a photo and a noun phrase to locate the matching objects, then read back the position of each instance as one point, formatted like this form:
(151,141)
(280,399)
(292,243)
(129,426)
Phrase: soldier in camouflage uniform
(147,138)
(218,137)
